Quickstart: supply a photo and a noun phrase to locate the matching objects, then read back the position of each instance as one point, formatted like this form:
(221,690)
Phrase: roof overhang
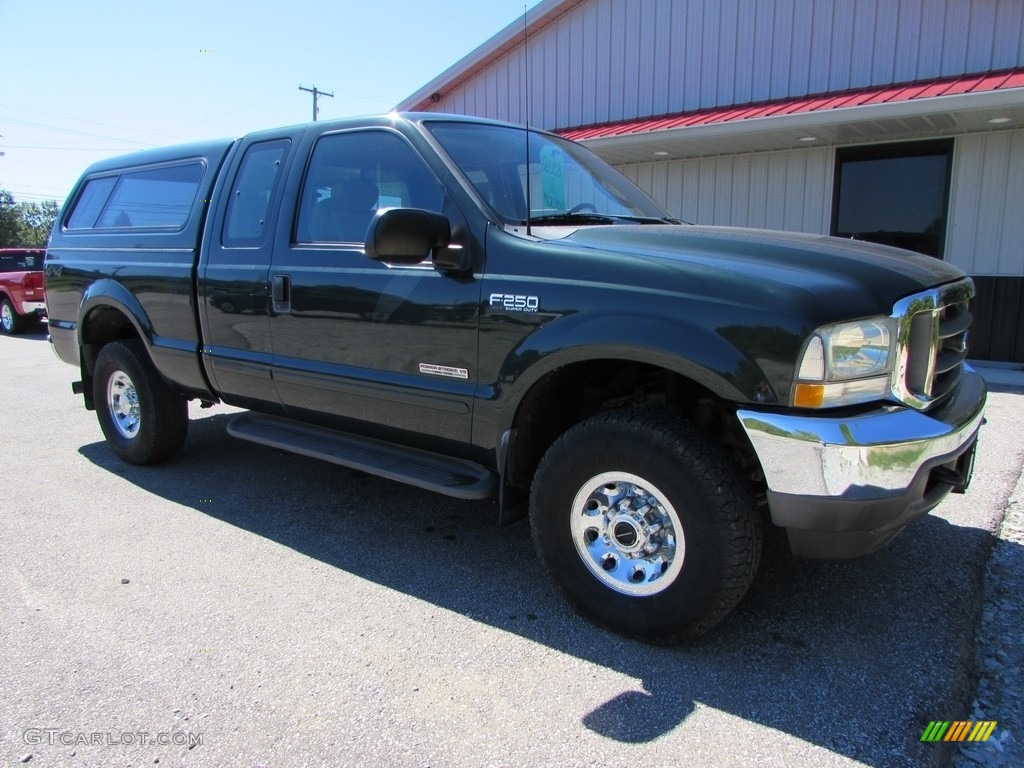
(918,110)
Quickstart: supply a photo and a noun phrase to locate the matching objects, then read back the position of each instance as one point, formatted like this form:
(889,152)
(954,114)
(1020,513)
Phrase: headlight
(845,363)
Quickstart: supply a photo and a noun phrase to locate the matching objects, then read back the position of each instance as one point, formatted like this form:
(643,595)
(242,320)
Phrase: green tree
(36,220)
(9,221)
(25,224)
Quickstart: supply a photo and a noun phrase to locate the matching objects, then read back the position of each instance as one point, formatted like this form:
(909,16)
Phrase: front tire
(645,524)
(143,420)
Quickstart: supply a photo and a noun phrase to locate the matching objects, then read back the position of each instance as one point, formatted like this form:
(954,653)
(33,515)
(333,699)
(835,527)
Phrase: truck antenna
(526,91)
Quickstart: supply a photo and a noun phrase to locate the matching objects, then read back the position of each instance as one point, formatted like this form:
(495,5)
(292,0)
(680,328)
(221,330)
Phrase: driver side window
(351,176)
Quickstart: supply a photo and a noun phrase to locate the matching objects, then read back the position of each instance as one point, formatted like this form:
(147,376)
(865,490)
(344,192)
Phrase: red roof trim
(950,86)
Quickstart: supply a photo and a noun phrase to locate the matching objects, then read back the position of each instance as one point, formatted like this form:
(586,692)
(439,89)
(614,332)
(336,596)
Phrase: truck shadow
(855,657)
(36,332)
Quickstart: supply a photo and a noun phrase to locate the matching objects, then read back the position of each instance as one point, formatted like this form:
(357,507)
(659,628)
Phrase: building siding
(792,190)
(788,190)
(986,221)
(997,332)
(610,60)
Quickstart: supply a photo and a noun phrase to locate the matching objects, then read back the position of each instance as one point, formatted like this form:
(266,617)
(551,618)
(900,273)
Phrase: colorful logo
(958,730)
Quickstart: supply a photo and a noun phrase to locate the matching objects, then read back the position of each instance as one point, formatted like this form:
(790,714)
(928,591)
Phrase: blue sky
(88,79)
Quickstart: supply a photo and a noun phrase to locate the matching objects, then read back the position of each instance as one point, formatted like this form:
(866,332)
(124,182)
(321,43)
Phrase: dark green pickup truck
(490,312)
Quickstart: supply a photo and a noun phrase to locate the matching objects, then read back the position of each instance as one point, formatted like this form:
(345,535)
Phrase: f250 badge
(512,302)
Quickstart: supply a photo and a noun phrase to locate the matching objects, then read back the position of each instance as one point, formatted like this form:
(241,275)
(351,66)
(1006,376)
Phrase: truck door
(233,287)
(387,350)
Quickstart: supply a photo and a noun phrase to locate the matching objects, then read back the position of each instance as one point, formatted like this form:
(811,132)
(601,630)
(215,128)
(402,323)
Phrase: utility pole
(315,93)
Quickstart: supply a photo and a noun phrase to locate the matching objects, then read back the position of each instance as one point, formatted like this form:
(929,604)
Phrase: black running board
(431,471)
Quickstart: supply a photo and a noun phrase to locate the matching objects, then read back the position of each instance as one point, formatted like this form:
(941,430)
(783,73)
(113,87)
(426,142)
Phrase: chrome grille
(931,343)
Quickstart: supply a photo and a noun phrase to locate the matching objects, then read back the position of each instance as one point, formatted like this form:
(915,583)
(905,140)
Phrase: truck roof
(216,146)
(160,155)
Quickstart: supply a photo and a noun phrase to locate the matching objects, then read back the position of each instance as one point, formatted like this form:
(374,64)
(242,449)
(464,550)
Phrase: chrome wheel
(7,317)
(123,401)
(143,419)
(645,523)
(627,533)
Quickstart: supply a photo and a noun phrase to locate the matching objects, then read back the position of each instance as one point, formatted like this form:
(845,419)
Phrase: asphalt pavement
(239,606)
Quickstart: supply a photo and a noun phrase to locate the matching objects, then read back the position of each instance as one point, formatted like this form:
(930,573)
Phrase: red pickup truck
(22,297)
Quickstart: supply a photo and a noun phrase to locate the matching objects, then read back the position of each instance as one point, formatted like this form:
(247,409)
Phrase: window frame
(895,151)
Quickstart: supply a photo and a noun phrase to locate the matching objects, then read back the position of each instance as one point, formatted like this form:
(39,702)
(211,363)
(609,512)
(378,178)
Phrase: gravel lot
(999,650)
(286,612)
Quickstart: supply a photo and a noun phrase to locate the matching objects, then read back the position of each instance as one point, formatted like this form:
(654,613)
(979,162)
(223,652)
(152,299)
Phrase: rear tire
(11,323)
(645,524)
(143,420)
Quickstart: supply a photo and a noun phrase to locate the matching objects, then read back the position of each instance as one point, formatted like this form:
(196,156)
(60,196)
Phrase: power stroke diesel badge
(444,370)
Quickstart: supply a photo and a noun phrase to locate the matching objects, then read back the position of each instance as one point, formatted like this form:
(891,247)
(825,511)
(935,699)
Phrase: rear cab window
(248,209)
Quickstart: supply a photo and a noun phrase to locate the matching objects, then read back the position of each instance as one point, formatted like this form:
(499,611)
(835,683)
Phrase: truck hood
(829,277)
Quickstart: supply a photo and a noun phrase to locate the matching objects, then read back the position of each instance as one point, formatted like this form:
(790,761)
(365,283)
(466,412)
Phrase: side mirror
(406,235)
(409,235)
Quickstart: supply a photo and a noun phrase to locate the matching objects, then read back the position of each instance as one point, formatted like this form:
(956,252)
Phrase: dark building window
(894,194)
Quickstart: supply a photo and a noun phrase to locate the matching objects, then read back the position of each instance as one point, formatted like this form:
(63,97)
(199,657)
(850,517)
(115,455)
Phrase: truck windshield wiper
(591,217)
(646,219)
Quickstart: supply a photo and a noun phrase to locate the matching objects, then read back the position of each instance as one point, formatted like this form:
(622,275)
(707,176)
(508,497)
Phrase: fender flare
(110,293)
(696,353)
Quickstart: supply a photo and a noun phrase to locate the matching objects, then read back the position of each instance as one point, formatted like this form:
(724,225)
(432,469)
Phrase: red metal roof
(950,86)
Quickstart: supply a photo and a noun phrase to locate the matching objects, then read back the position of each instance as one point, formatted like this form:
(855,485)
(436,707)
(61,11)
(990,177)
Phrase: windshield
(568,184)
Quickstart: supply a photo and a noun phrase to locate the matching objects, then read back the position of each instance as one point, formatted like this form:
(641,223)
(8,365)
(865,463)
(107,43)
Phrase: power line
(35,186)
(31,197)
(76,149)
(74,132)
(89,122)
(234,111)
(354,95)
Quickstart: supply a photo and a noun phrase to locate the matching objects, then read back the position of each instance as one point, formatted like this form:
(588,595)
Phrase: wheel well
(100,327)
(575,392)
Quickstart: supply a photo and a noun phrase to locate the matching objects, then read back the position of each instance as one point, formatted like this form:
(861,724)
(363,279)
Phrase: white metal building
(900,121)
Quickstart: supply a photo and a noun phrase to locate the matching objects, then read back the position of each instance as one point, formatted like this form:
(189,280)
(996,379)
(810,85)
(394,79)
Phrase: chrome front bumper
(845,486)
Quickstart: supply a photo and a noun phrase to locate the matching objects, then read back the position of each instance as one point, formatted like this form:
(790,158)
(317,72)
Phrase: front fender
(708,358)
(701,355)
